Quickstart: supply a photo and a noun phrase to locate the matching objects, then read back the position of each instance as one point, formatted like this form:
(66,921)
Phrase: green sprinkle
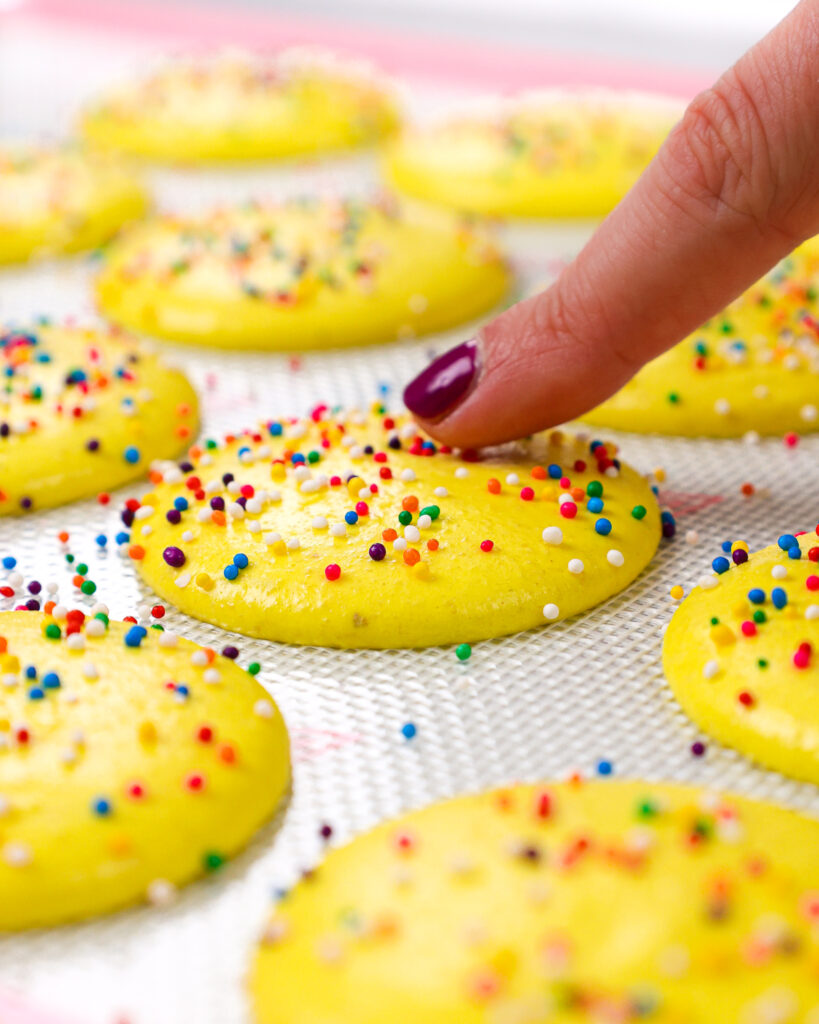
(638,511)
(463,652)
(88,586)
(647,808)
(212,860)
(595,489)
(762,663)
(102,617)
(313,456)
(405,517)
(69,558)
(760,616)
(254,668)
(53,631)
(673,397)
(714,620)
(430,510)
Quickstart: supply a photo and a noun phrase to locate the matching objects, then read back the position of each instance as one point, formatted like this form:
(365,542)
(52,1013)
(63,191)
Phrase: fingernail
(444,383)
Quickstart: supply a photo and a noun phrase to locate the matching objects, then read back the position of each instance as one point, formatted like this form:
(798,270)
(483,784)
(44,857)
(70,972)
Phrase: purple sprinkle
(127,517)
(218,503)
(698,748)
(26,503)
(230,651)
(35,587)
(92,445)
(173,515)
(175,557)
(377,552)
(32,605)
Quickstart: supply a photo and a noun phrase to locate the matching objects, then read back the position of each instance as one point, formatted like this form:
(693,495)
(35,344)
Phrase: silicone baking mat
(535,705)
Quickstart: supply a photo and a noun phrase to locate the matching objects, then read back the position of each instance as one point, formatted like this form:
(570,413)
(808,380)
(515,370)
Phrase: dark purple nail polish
(443,383)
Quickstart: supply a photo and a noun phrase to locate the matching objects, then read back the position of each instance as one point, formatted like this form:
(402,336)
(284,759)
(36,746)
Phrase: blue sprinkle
(51,681)
(101,806)
(31,672)
(183,690)
(180,503)
(351,518)
(756,596)
(603,527)
(720,565)
(555,472)
(726,546)
(135,636)
(101,540)
(604,767)
(36,693)
(786,541)
(9,562)
(275,430)
(779,597)
(298,459)
(243,450)
(131,454)
(230,572)
(408,731)
(122,537)
(595,505)
(241,561)
(795,552)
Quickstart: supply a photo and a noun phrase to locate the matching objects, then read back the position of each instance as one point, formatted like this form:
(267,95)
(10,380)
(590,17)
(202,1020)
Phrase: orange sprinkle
(155,476)
(410,503)
(183,409)
(493,486)
(183,431)
(136,551)
(747,490)
(62,536)
(217,517)
(389,535)
(78,580)
(411,556)
(4,645)
(433,544)
(48,608)
(577,493)
(538,472)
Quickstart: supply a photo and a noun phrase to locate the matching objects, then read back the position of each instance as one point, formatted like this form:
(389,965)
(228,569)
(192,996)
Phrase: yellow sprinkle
(147,732)
(10,663)
(204,581)
(120,846)
(659,474)
(739,545)
(550,493)
(151,498)
(722,635)
(354,486)
(420,571)
(277,471)
(677,592)
(279,548)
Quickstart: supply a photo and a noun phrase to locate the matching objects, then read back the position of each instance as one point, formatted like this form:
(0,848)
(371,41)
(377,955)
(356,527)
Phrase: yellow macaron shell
(122,409)
(238,108)
(63,200)
(555,157)
(306,274)
(753,692)
(755,367)
(428,581)
(116,785)
(599,901)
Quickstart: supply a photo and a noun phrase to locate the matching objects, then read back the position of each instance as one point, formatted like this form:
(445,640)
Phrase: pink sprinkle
(801,658)
(487,545)
(568,509)
(332,571)
(527,494)
(812,582)
(749,628)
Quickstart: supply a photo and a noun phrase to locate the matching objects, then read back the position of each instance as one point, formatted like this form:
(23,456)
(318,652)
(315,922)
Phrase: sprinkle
(710,669)
(576,566)
(615,557)
(552,535)
(332,571)
(551,612)
(377,552)
(603,527)
(174,557)
(463,652)
(408,731)
(135,636)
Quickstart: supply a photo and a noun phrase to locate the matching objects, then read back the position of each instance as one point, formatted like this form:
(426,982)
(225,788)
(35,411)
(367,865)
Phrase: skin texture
(234,109)
(541,156)
(59,201)
(490,908)
(306,275)
(754,367)
(709,668)
(128,399)
(105,729)
(731,191)
(454,593)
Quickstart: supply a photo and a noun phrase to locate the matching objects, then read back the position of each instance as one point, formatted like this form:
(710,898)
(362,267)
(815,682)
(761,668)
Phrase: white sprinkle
(407,475)
(412,533)
(94,628)
(59,612)
(235,510)
(710,669)
(272,537)
(708,582)
(424,522)
(9,680)
(212,676)
(310,486)
(254,506)
(319,523)
(17,855)
(99,609)
(187,536)
(90,670)
(161,893)
(751,437)
(553,535)
(274,495)
(233,487)
(563,498)
(146,531)
(808,413)
(338,530)
(203,515)
(440,492)
(722,407)
(75,641)
(615,557)
(550,612)
(779,572)
(168,639)
(512,479)
(692,537)
(461,473)
(15,579)
(399,544)
(576,566)
(254,526)
(812,611)
(182,580)
(263,708)
(293,544)
(144,512)
(199,658)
